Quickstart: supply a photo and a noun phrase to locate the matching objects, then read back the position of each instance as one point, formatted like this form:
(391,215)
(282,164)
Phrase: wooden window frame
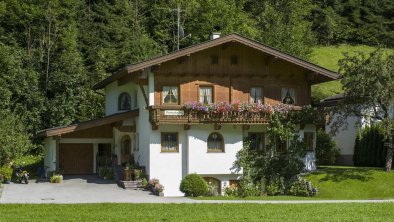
(234,60)
(222,150)
(313,142)
(161,142)
(262,93)
(213,92)
(119,101)
(162,97)
(289,87)
(264,142)
(214,60)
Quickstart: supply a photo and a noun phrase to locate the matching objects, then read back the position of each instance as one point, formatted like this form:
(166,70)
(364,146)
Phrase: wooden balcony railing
(177,115)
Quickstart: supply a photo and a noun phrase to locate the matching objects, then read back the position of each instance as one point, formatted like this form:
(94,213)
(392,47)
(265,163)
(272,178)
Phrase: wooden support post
(144,94)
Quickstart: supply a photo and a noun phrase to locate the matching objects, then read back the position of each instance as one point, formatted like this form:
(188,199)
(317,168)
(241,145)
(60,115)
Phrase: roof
(87,124)
(332,100)
(215,42)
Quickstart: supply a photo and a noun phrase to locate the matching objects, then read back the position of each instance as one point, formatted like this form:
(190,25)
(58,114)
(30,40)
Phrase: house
(345,135)
(146,120)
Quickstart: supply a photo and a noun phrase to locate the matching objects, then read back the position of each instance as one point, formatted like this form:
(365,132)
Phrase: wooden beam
(126,129)
(217,126)
(155,68)
(245,127)
(155,127)
(144,94)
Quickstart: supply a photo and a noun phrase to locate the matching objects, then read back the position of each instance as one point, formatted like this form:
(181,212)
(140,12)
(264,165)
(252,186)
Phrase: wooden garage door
(75,158)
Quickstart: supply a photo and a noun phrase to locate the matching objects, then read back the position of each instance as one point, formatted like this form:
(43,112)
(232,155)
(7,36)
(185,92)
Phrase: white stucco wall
(50,153)
(112,92)
(203,162)
(346,137)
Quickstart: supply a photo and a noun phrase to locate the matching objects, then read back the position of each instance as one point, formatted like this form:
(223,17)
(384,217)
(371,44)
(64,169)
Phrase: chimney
(214,35)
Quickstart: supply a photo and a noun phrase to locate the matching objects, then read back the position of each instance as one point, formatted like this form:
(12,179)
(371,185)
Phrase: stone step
(130,184)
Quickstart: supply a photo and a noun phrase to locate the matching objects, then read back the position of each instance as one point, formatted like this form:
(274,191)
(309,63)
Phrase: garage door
(76,158)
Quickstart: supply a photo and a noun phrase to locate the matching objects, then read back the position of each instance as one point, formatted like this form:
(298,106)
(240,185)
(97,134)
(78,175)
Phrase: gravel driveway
(81,189)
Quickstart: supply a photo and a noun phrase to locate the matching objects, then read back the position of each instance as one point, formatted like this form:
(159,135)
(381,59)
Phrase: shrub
(212,190)
(301,187)
(275,186)
(369,149)
(144,183)
(231,191)
(327,151)
(106,173)
(30,163)
(193,185)
(247,189)
(152,183)
(56,178)
(6,171)
(158,188)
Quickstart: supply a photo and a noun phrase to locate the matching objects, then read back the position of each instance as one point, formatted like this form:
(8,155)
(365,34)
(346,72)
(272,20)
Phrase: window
(215,142)
(234,60)
(308,140)
(256,95)
(215,59)
(206,94)
(169,142)
(257,141)
(170,95)
(124,102)
(281,146)
(288,96)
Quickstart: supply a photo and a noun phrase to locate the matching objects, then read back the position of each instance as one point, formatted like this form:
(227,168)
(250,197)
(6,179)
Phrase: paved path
(91,189)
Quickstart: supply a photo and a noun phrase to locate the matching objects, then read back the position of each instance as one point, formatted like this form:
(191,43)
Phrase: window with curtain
(206,94)
(288,96)
(170,95)
(124,101)
(257,141)
(308,140)
(215,142)
(169,142)
(256,95)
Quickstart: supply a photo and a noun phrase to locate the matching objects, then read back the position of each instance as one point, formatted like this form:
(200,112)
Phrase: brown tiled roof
(87,124)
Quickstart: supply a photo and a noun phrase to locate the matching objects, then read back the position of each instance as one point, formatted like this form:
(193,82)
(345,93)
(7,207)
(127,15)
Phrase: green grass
(198,212)
(328,57)
(353,183)
(340,183)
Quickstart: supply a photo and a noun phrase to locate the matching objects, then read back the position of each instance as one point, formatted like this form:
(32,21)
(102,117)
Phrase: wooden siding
(96,132)
(232,82)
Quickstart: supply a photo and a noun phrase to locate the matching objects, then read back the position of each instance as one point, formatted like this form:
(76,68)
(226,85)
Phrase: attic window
(215,59)
(234,60)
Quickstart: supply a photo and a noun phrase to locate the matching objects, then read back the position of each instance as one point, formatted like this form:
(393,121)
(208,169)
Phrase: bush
(212,190)
(301,187)
(106,173)
(327,151)
(369,149)
(56,178)
(194,185)
(152,183)
(247,189)
(275,186)
(6,171)
(231,191)
(30,163)
(158,188)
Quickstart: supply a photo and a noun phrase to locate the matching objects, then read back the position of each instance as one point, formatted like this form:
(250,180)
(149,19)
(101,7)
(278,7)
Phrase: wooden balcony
(177,115)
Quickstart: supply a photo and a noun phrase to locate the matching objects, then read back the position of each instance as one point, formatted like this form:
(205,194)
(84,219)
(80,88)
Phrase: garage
(76,158)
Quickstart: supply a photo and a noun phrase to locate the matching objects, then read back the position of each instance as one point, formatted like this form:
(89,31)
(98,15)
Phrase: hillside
(328,57)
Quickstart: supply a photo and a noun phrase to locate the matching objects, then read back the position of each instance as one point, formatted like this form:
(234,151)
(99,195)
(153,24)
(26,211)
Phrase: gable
(317,73)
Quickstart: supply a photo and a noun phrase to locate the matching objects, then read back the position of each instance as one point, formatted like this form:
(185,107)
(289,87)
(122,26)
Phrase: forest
(53,51)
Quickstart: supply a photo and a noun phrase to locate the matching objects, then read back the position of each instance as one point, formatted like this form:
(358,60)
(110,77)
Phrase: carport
(75,149)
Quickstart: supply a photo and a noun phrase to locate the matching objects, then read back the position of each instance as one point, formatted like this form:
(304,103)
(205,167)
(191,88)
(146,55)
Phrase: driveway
(80,189)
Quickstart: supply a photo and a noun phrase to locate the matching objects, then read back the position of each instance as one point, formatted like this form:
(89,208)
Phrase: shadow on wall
(341,174)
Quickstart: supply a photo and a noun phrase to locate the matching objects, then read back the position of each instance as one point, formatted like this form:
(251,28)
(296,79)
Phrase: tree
(14,141)
(368,83)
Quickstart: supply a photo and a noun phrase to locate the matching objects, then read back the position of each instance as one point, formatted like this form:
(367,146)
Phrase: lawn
(340,183)
(198,212)
(328,57)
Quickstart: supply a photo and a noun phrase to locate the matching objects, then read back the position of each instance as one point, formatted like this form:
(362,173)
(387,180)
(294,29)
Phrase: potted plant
(6,171)
(127,172)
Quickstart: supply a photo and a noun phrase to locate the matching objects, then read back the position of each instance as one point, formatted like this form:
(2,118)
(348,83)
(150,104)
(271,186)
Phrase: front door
(126,150)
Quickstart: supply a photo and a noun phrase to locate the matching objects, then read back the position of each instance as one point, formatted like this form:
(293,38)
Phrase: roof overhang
(139,67)
(57,131)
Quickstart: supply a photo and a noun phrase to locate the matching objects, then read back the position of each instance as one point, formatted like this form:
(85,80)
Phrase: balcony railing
(178,115)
